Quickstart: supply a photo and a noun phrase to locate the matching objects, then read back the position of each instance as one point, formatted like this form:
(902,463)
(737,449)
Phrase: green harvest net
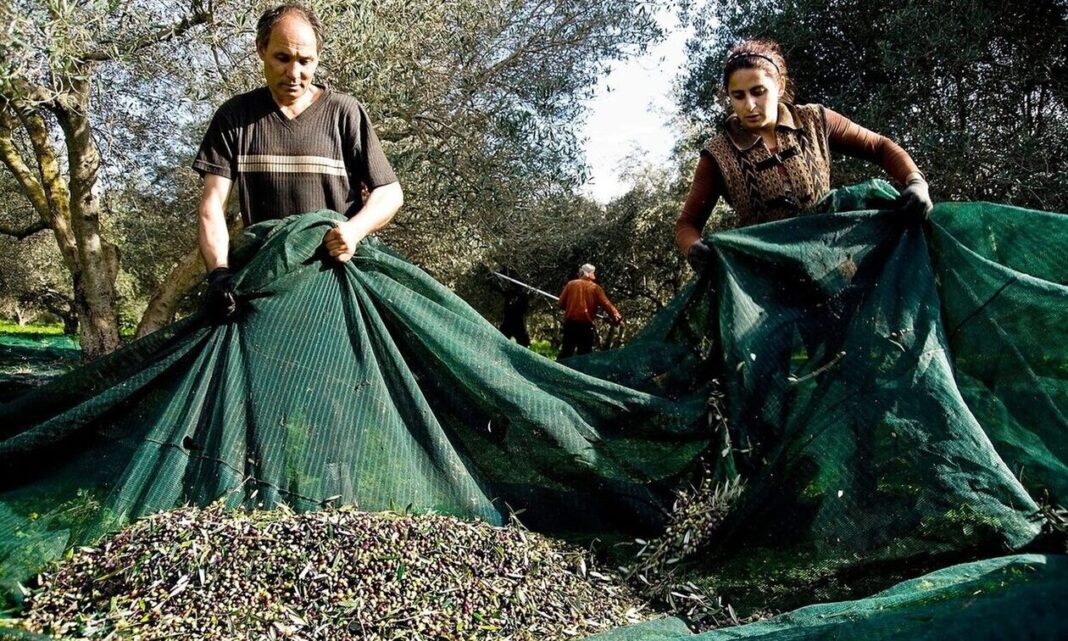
(27,360)
(1018,597)
(896,399)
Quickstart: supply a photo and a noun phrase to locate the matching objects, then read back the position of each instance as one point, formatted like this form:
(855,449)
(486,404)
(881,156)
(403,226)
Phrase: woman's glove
(915,201)
(699,256)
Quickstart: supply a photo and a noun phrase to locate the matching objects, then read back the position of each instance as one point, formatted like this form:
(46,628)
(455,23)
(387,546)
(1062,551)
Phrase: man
(290,147)
(516,306)
(581,299)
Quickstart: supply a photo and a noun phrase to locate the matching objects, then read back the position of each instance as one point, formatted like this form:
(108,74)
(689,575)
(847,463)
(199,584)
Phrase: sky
(629,114)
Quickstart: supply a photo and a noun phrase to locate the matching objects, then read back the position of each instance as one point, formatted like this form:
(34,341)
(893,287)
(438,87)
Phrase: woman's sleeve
(705,190)
(853,140)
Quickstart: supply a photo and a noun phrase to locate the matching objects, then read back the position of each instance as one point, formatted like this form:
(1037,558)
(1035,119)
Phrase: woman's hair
(758,54)
(273,16)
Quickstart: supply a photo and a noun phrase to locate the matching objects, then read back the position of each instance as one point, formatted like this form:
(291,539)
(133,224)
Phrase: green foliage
(153,220)
(630,241)
(544,348)
(975,90)
(34,286)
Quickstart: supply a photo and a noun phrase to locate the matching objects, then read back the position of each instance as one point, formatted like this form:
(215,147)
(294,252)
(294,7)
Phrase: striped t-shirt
(283,166)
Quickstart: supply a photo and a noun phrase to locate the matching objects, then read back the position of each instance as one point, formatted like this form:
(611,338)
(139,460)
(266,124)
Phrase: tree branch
(28,183)
(49,196)
(25,232)
(198,17)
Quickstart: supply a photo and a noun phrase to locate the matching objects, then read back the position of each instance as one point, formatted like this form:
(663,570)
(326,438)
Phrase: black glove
(221,300)
(915,201)
(699,256)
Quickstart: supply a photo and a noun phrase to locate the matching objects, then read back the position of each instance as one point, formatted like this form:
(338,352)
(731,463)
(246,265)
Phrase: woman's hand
(915,201)
(699,256)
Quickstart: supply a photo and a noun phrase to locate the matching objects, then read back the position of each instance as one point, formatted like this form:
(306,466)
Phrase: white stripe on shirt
(254,163)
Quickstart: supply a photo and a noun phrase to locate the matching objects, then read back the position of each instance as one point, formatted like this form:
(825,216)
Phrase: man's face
(289,60)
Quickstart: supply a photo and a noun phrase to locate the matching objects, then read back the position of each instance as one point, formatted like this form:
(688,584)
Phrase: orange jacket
(582,298)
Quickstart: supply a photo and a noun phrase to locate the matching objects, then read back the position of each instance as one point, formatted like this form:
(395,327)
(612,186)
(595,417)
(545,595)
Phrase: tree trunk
(184,277)
(94,284)
(49,196)
(73,213)
(98,326)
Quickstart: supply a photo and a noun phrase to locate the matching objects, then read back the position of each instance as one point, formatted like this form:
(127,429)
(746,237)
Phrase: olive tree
(51,58)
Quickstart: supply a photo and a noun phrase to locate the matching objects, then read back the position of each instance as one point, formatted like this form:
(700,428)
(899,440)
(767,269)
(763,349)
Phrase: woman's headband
(750,54)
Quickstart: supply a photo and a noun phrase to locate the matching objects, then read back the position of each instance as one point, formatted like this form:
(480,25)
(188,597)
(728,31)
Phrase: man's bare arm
(382,204)
(214,237)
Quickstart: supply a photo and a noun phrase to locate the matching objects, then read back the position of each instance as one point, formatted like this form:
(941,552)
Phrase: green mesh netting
(895,397)
(27,360)
(1017,597)
(368,384)
(896,405)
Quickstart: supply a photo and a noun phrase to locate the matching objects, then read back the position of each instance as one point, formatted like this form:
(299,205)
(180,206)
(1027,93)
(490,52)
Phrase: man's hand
(222,304)
(341,241)
(699,256)
(915,201)
(378,209)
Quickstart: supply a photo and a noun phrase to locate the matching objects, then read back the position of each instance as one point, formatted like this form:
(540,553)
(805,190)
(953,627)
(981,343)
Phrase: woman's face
(755,95)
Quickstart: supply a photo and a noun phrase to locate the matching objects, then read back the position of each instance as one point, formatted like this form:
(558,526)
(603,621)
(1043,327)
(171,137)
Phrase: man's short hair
(587,269)
(271,17)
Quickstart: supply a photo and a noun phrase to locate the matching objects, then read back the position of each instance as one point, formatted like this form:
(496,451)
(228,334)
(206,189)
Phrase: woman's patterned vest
(763,187)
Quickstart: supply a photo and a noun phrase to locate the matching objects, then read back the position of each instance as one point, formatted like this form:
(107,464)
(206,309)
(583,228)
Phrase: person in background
(516,305)
(581,299)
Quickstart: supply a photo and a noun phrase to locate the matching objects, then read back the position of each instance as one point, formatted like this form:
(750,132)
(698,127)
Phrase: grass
(7,327)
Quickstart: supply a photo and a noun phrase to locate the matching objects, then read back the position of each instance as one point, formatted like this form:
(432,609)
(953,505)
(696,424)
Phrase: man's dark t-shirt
(284,166)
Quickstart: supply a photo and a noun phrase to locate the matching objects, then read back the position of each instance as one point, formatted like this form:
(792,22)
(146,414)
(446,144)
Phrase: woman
(773,158)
